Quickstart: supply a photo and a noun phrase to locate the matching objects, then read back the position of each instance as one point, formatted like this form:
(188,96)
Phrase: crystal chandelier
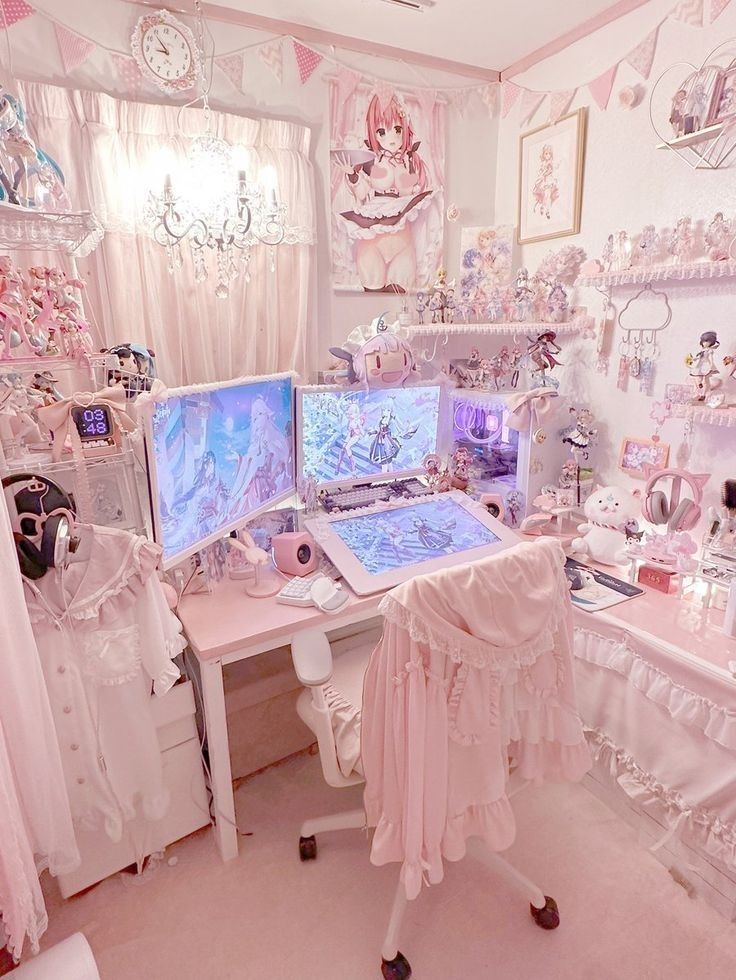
(214,207)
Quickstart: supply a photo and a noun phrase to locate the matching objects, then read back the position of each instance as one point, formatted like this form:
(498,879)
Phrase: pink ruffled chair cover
(474,667)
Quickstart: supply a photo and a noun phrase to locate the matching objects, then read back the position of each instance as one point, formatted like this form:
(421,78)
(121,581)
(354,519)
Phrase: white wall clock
(166,52)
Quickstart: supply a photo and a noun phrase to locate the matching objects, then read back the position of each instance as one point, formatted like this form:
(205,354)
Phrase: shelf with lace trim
(655,273)
(578,324)
(26,229)
(725,416)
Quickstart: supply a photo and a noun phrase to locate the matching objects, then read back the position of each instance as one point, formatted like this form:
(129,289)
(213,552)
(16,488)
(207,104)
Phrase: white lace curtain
(112,151)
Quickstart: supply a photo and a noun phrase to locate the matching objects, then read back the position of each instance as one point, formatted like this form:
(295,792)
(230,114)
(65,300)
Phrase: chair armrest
(312,657)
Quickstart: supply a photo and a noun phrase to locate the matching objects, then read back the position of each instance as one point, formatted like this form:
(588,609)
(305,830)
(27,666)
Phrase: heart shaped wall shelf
(709,142)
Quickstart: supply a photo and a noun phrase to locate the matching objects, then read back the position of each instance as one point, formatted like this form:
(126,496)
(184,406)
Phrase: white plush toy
(603,539)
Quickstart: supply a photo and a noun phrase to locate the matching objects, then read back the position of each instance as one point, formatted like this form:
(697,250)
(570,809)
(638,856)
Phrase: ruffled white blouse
(106,636)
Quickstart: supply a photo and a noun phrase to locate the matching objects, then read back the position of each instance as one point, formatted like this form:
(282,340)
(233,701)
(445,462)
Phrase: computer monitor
(218,455)
(347,436)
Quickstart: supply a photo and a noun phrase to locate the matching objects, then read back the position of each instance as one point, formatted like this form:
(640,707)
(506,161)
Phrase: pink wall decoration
(306,61)
(74,50)
(642,57)
(128,71)
(600,88)
(387,175)
(689,12)
(489,97)
(11,11)
(347,82)
(272,56)
(511,93)
(530,102)
(232,66)
(559,103)
(717,7)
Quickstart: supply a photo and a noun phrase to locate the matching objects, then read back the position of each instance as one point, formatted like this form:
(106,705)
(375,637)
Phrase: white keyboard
(296,592)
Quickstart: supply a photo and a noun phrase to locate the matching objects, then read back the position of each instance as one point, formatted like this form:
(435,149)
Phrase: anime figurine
(495,368)
(541,353)
(677,115)
(514,507)
(18,406)
(607,254)
(682,241)
(545,190)
(28,176)
(474,359)
(45,384)
(135,368)
(355,425)
(523,296)
(389,193)
(309,495)
(438,477)
(580,435)
(696,109)
(557,305)
(718,238)
(648,245)
(730,362)
(515,359)
(621,258)
(450,305)
(495,305)
(421,306)
(435,307)
(702,365)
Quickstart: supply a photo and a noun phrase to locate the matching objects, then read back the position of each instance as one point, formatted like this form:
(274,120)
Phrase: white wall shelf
(576,325)
(712,416)
(76,233)
(660,273)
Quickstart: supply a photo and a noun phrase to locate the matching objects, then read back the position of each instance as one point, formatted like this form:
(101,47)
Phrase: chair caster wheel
(547,917)
(396,969)
(307,848)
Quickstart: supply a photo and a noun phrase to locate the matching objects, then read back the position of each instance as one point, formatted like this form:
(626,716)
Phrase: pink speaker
(294,552)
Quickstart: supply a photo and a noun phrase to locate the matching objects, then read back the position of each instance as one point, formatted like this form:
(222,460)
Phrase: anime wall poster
(387,173)
(485,262)
(219,455)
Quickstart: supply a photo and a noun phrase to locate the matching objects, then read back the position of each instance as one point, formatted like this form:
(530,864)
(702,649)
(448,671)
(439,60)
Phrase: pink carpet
(267,915)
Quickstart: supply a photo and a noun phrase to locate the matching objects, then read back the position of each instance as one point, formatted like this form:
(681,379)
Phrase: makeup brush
(728,498)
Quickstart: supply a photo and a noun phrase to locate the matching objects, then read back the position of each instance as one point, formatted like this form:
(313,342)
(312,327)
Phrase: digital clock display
(92,422)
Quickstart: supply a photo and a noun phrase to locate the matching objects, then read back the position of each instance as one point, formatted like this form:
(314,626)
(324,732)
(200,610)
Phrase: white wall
(629,183)
(471,151)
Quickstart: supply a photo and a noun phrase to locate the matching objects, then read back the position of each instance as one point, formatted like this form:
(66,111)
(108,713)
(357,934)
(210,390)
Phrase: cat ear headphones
(677,514)
(42,518)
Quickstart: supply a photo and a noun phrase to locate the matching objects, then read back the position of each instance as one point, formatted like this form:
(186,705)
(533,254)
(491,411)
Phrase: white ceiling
(486,33)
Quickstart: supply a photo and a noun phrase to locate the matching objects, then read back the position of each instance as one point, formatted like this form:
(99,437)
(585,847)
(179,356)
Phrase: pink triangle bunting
(559,103)
(690,12)
(73,48)
(511,93)
(232,66)
(347,82)
(427,99)
(306,61)
(642,57)
(385,92)
(489,97)
(600,88)
(11,11)
(272,56)
(716,8)
(459,99)
(128,71)
(530,102)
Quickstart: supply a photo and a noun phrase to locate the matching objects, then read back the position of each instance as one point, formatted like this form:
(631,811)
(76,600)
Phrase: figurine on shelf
(621,259)
(450,305)
(28,176)
(308,494)
(702,365)
(682,241)
(541,352)
(648,246)
(607,254)
(421,306)
(495,368)
(435,308)
(718,238)
(557,305)
(495,306)
(438,476)
(730,362)
(18,405)
(677,114)
(523,296)
(696,108)
(581,435)
(515,359)
(514,507)
(45,383)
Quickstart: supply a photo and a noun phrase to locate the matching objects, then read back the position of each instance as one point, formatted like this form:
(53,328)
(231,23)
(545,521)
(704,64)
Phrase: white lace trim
(471,650)
(683,705)
(703,828)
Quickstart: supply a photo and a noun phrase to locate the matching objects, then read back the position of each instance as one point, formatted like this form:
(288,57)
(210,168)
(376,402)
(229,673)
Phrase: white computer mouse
(328,596)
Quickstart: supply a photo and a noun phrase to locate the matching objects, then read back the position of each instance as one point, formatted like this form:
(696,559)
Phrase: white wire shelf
(576,325)
(692,139)
(656,273)
(25,229)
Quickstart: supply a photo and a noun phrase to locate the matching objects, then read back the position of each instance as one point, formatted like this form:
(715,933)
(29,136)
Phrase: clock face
(166,52)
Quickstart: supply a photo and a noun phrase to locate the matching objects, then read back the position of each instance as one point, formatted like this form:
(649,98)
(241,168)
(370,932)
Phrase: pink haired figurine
(682,241)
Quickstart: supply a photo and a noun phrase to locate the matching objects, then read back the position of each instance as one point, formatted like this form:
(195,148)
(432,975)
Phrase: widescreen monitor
(218,455)
(347,436)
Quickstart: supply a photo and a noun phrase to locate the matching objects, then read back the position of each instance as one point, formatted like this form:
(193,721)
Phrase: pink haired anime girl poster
(387,188)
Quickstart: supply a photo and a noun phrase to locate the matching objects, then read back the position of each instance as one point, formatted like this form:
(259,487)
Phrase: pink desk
(672,643)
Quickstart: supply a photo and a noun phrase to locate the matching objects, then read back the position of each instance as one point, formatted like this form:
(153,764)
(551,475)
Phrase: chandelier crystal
(214,207)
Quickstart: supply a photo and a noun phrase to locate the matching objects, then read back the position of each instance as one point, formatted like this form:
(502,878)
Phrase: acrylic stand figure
(702,365)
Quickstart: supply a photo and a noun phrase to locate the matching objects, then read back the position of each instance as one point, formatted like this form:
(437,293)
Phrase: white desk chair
(339,682)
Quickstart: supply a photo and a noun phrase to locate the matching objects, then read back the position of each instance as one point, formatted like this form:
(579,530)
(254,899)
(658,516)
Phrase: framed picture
(680,397)
(551,179)
(723,103)
(636,453)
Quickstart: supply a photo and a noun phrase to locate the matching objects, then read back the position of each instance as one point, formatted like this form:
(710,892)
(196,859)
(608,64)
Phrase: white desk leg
(213,695)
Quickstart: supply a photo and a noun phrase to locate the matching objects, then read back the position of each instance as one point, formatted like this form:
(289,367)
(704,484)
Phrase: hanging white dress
(106,636)
(35,819)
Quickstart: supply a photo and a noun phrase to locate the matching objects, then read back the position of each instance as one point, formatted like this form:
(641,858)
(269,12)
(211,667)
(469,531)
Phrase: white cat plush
(603,539)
